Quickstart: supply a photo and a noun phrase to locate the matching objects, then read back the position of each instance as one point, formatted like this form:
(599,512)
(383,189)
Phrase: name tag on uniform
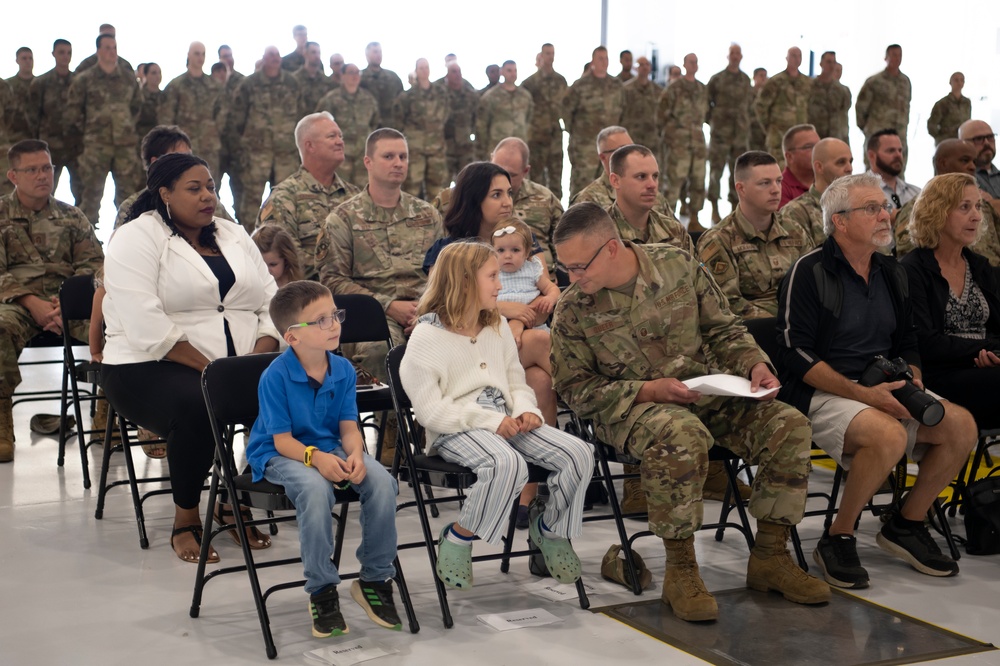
(791,242)
(602,327)
(418,222)
(744,247)
(675,295)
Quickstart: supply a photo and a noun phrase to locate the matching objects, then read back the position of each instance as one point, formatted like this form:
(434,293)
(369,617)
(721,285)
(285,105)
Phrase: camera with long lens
(922,406)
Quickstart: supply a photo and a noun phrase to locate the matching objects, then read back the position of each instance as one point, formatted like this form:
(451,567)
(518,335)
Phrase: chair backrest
(76,298)
(230,388)
(765,333)
(365,320)
(392,361)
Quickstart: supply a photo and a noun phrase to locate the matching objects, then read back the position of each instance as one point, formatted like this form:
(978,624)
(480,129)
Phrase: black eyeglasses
(325,322)
(580,270)
(982,138)
(871,210)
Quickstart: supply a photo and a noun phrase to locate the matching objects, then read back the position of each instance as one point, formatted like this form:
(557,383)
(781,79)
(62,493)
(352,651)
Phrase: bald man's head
(955,156)
(981,135)
(831,159)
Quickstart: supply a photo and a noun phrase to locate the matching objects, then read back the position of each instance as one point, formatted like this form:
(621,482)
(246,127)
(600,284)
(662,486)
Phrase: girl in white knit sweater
(462,374)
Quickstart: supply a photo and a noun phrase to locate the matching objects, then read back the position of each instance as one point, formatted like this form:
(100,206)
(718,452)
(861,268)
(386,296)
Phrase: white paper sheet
(531,617)
(349,652)
(547,588)
(725,385)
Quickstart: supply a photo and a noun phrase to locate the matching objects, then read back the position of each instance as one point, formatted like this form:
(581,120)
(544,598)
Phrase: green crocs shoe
(454,562)
(560,558)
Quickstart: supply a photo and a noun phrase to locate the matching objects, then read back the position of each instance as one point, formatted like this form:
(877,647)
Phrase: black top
(224,274)
(929,298)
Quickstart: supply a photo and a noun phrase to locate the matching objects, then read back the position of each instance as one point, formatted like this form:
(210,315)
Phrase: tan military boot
(6,430)
(716,218)
(389,434)
(633,496)
(693,225)
(100,420)
(771,567)
(683,589)
(717,482)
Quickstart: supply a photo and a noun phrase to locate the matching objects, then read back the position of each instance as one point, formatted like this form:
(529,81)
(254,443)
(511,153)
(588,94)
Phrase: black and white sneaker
(376,598)
(837,556)
(914,545)
(325,609)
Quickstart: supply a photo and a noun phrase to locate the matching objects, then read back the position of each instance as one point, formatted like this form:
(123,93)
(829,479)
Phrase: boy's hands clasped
(336,469)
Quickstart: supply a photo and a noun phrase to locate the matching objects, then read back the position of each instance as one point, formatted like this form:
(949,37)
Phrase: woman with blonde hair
(462,374)
(955,295)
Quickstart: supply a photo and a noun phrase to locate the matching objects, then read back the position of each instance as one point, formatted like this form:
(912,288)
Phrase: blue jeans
(313,498)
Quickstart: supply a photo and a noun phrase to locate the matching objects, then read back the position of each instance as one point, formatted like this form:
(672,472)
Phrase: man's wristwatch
(307,456)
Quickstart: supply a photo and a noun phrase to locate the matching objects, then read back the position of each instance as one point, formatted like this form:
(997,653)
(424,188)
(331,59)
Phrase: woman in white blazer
(183,288)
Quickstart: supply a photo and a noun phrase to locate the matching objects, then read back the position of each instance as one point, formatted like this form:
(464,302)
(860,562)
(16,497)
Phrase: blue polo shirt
(290,401)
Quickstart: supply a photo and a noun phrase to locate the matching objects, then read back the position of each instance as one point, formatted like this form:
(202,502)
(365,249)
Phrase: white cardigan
(443,373)
(161,291)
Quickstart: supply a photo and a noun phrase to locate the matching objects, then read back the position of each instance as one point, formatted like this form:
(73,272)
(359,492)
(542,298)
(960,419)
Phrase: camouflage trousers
(547,162)
(17,327)
(585,167)
(723,153)
(758,137)
(774,136)
(427,174)
(256,171)
(95,164)
(371,355)
(686,166)
(72,166)
(457,155)
(354,171)
(673,442)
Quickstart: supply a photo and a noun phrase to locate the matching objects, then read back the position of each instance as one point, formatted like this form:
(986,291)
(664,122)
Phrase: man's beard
(890,169)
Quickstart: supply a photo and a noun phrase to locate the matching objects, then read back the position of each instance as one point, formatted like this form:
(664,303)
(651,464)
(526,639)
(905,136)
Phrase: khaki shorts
(831,415)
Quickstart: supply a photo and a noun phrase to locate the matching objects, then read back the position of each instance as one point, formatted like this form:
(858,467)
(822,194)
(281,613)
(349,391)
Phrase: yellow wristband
(307,456)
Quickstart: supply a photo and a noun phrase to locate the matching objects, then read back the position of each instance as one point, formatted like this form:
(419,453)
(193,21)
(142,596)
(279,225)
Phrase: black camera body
(922,406)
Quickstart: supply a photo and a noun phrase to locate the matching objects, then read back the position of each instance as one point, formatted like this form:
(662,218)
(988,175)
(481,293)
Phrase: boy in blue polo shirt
(306,438)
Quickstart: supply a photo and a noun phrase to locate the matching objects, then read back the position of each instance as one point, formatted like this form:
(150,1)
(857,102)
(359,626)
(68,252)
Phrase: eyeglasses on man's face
(982,138)
(34,170)
(580,270)
(871,209)
(325,322)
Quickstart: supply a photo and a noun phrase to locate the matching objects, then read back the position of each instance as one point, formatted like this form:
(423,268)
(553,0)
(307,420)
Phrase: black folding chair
(230,389)
(420,469)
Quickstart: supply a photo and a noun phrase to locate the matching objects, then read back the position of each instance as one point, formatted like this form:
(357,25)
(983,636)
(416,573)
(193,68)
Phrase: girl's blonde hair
(272,238)
(451,288)
(520,229)
(934,204)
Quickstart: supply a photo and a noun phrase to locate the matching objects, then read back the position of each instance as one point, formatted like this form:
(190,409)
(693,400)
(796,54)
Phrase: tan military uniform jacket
(681,113)
(783,102)
(884,102)
(828,107)
(601,193)
(946,116)
(805,212)
(384,85)
(502,113)
(47,99)
(639,102)
(590,105)
(659,229)
(730,96)
(263,115)
(547,92)
(194,104)
(606,345)
(312,88)
(102,108)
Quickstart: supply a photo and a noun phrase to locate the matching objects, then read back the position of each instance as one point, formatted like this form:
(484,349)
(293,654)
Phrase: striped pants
(501,473)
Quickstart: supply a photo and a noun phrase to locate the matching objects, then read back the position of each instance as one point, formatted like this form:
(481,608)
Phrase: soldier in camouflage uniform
(504,110)
(600,191)
(420,114)
(547,88)
(374,243)
(293,61)
(47,99)
(91,60)
(829,101)
(783,102)
(729,100)
(20,84)
(635,178)
(227,156)
(952,156)
(193,102)
(950,111)
(884,100)
(261,123)
(336,69)
(151,99)
(313,83)
(383,84)
(750,251)
(831,159)
(463,100)
(627,377)
(640,97)
(159,141)
(758,136)
(101,106)
(301,203)
(681,114)
(356,112)
(592,103)
(42,242)
(9,110)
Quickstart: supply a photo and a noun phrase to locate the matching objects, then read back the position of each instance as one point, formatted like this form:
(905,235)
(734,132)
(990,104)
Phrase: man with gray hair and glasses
(843,310)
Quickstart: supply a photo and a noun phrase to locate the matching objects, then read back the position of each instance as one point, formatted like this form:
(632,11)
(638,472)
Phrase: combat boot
(633,496)
(717,482)
(6,430)
(716,218)
(100,419)
(693,225)
(772,568)
(390,431)
(683,589)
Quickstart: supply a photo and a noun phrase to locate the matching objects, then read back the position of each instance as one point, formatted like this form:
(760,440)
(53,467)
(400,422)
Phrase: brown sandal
(197,531)
(258,540)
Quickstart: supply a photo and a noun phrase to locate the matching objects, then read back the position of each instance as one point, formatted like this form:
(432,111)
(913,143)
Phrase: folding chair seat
(419,470)
(44,340)
(229,386)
